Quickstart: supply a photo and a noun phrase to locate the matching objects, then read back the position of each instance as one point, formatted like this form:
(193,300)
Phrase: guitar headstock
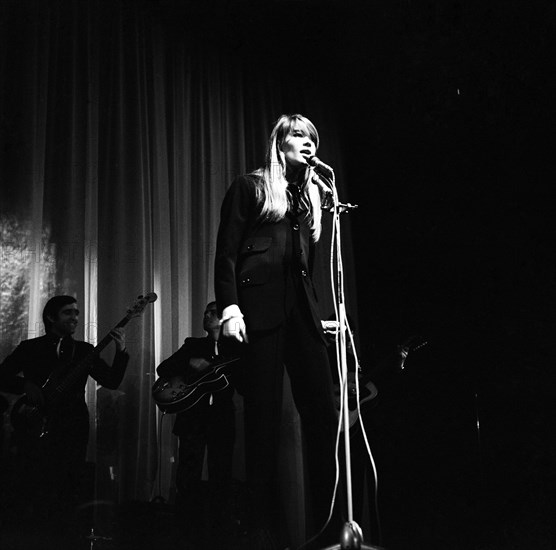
(141,303)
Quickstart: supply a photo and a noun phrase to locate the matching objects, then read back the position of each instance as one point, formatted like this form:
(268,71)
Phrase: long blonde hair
(271,190)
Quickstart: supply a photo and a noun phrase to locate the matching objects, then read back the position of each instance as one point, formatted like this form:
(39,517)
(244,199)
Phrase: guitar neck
(83,367)
(107,339)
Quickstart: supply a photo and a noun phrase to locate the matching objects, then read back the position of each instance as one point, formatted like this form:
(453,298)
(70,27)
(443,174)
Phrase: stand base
(352,539)
(92,538)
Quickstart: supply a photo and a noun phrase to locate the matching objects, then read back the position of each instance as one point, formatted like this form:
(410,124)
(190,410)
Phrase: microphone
(325,189)
(319,166)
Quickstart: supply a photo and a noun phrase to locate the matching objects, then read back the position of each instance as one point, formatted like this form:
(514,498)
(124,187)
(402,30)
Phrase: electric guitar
(33,420)
(178,394)
(367,389)
(367,392)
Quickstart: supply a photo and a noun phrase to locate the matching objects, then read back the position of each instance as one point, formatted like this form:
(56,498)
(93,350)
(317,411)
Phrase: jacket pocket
(255,245)
(255,261)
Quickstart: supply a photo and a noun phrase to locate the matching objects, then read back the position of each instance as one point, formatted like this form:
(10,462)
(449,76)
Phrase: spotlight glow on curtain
(120,140)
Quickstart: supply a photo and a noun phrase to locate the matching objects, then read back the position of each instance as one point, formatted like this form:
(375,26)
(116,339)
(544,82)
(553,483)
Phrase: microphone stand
(351,537)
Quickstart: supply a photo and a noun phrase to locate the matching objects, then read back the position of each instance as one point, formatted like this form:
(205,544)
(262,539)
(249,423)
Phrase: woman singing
(270,223)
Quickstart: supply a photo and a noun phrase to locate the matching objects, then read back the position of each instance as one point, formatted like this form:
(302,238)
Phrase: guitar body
(28,420)
(32,421)
(178,394)
(367,392)
(174,395)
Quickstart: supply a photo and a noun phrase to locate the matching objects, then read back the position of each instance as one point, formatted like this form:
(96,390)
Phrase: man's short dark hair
(53,306)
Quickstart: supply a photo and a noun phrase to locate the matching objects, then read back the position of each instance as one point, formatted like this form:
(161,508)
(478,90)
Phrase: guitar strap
(211,398)
(65,352)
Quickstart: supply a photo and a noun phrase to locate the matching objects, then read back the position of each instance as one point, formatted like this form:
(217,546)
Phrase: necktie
(64,349)
(293,192)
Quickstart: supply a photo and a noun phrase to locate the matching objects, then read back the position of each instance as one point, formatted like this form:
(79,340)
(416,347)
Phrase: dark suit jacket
(256,261)
(178,365)
(36,359)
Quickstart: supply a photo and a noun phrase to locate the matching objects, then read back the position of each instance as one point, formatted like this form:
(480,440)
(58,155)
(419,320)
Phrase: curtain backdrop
(120,134)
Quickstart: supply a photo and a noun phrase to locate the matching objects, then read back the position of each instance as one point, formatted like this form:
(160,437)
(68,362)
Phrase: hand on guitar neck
(118,335)
(413,343)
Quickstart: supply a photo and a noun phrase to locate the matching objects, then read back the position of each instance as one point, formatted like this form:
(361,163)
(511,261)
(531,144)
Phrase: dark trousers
(211,427)
(296,344)
(52,468)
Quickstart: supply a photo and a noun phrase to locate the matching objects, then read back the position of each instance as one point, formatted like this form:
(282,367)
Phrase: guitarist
(53,464)
(209,424)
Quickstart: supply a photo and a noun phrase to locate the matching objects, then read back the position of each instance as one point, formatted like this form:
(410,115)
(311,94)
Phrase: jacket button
(247,280)
(301,252)
(250,247)
(296,226)
(304,273)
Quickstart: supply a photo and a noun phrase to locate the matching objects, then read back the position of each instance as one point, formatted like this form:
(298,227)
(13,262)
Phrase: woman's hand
(232,323)
(234,327)
(331,328)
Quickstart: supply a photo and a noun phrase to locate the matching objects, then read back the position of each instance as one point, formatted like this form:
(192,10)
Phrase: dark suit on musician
(53,471)
(265,268)
(209,424)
